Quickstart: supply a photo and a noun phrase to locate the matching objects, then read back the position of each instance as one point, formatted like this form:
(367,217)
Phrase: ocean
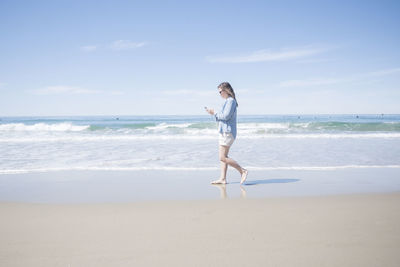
(264,142)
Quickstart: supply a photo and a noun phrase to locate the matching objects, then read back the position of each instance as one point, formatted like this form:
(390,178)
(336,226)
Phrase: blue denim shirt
(226,118)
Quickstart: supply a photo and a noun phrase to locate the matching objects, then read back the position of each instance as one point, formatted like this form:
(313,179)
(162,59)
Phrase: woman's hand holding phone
(210,111)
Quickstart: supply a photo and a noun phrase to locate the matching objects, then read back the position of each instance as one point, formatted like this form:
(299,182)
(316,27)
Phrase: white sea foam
(101,138)
(264,125)
(163,126)
(171,168)
(197,135)
(323,135)
(244,128)
(322,168)
(57,127)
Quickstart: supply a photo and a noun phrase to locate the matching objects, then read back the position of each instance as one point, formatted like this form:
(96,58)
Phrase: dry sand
(344,230)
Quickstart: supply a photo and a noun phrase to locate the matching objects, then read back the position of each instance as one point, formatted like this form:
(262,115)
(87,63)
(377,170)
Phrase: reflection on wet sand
(224,195)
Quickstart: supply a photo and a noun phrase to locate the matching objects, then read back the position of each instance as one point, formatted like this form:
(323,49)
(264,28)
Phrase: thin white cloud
(117,45)
(89,48)
(384,72)
(126,45)
(326,81)
(116,92)
(315,60)
(62,89)
(284,54)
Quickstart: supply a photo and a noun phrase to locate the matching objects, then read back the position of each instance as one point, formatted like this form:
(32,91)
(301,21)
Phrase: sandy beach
(341,230)
(345,217)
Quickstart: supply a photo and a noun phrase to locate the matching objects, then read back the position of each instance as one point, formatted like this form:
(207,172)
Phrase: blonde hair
(225,86)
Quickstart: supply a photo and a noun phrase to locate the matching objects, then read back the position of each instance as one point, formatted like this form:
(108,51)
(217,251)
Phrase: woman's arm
(228,111)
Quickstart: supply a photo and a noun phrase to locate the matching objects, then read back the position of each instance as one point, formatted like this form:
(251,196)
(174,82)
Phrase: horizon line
(160,115)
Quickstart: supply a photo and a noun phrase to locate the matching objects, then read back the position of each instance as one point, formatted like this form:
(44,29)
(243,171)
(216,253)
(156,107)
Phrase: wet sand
(131,186)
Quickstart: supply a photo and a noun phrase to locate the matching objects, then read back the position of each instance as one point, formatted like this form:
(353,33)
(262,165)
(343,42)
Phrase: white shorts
(226,139)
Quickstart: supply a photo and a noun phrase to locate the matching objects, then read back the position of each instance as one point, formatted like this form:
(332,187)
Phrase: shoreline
(335,230)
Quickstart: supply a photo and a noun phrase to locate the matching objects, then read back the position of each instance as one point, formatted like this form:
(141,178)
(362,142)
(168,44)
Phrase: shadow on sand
(243,194)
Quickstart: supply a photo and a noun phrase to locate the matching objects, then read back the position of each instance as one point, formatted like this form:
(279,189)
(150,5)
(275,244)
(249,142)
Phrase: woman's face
(223,93)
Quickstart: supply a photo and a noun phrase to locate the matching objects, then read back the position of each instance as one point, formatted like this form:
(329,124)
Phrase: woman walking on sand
(226,119)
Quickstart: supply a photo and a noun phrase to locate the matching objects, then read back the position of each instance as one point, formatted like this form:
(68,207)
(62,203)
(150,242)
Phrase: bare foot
(244,175)
(220,181)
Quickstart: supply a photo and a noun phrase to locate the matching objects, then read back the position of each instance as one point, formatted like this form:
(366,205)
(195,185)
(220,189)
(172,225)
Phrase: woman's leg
(225,161)
(243,172)
(223,153)
(223,157)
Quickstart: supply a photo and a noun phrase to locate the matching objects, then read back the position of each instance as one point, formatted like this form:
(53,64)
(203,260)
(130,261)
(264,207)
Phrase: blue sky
(167,57)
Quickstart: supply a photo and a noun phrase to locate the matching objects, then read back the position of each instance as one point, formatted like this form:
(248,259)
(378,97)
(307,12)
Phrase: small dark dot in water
(298,117)
(357,116)
(117,118)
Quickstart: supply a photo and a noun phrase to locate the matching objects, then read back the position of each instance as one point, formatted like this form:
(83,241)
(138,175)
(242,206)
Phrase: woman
(226,119)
